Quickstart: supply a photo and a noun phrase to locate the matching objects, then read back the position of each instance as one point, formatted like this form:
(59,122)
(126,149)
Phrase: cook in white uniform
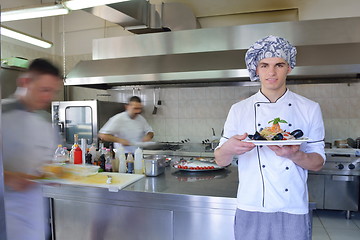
(127,128)
(28,142)
(272,198)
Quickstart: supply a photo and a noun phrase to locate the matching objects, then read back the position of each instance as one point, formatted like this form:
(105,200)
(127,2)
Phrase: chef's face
(134,109)
(272,73)
(40,90)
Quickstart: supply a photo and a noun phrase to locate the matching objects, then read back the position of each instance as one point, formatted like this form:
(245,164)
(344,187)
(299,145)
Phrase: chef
(272,197)
(29,142)
(127,128)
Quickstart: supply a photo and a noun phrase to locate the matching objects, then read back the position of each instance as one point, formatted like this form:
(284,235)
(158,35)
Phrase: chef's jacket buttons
(263,166)
(289,104)
(258,105)
(290,124)
(261,146)
(287,168)
(286,189)
(259,124)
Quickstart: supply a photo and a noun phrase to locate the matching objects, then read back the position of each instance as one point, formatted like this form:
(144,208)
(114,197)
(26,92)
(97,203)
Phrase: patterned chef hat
(268,47)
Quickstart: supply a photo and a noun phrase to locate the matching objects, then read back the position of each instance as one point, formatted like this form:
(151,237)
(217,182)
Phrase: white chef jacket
(122,126)
(267,182)
(29,141)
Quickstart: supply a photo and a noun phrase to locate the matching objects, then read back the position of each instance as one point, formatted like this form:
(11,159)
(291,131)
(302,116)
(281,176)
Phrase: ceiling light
(11,33)
(35,12)
(81,4)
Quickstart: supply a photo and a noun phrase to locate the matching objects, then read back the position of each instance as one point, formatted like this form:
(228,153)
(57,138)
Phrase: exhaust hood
(139,16)
(328,50)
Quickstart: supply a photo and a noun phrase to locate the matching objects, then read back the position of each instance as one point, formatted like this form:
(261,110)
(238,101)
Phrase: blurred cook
(28,142)
(272,197)
(127,128)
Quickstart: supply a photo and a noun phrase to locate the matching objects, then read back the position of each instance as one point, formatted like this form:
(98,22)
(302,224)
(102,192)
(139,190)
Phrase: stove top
(342,161)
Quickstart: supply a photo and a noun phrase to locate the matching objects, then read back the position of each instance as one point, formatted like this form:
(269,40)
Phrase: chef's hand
(148,137)
(287,151)
(18,181)
(236,146)
(233,146)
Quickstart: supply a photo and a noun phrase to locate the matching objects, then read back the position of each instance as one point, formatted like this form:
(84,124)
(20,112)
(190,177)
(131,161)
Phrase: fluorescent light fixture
(11,33)
(81,4)
(35,12)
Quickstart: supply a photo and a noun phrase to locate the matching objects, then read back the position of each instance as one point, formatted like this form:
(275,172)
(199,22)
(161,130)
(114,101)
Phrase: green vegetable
(277,120)
(100,170)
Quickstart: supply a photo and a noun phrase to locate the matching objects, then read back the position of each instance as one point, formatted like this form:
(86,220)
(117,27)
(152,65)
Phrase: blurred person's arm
(112,138)
(18,181)
(148,137)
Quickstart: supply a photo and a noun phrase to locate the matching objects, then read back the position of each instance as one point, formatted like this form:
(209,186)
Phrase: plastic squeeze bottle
(77,155)
(60,155)
(138,163)
(120,154)
(92,151)
(130,163)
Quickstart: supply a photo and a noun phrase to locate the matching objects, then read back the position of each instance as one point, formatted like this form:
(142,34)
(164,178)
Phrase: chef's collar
(260,97)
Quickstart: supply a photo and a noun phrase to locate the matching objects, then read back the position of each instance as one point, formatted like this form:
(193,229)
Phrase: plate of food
(274,135)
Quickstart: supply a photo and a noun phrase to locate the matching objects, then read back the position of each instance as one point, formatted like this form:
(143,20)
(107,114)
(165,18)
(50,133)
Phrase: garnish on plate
(276,133)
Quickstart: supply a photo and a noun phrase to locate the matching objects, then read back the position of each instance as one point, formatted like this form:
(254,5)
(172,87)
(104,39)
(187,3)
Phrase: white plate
(279,142)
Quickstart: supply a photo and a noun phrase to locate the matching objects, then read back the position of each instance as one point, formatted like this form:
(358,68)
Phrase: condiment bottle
(120,154)
(77,155)
(92,151)
(138,163)
(130,163)
(108,158)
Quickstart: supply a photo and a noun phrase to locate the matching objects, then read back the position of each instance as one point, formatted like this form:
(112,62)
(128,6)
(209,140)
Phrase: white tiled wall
(192,112)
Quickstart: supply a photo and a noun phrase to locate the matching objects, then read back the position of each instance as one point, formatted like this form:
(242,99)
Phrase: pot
(154,165)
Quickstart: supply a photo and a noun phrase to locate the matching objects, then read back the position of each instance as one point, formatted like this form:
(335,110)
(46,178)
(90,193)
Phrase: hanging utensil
(158,101)
(155,105)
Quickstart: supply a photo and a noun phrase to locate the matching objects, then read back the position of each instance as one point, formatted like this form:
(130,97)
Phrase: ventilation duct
(139,16)
(328,50)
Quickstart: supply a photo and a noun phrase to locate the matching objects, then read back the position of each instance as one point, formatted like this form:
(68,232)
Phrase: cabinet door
(342,192)
(74,220)
(316,186)
(209,225)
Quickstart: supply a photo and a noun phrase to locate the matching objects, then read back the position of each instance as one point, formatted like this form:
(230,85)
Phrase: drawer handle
(343,178)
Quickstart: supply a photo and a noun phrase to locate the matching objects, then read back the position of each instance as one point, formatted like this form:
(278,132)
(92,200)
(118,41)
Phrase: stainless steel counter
(175,205)
(206,183)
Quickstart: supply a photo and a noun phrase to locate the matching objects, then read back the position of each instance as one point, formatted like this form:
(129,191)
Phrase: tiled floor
(332,225)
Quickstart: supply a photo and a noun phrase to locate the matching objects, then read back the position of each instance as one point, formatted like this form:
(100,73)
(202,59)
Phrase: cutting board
(118,180)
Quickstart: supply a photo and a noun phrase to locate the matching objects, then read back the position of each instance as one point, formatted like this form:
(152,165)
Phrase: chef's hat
(268,47)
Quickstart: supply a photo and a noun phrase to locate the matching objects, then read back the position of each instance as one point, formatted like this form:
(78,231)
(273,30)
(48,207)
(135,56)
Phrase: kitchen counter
(174,205)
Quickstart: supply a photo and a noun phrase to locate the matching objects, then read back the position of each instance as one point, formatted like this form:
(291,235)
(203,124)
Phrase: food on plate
(192,165)
(276,133)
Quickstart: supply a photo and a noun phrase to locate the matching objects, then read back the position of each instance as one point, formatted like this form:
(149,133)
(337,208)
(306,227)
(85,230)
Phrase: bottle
(60,155)
(67,155)
(130,163)
(88,157)
(77,155)
(76,142)
(112,152)
(92,151)
(83,146)
(120,154)
(108,162)
(138,163)
(102,159)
